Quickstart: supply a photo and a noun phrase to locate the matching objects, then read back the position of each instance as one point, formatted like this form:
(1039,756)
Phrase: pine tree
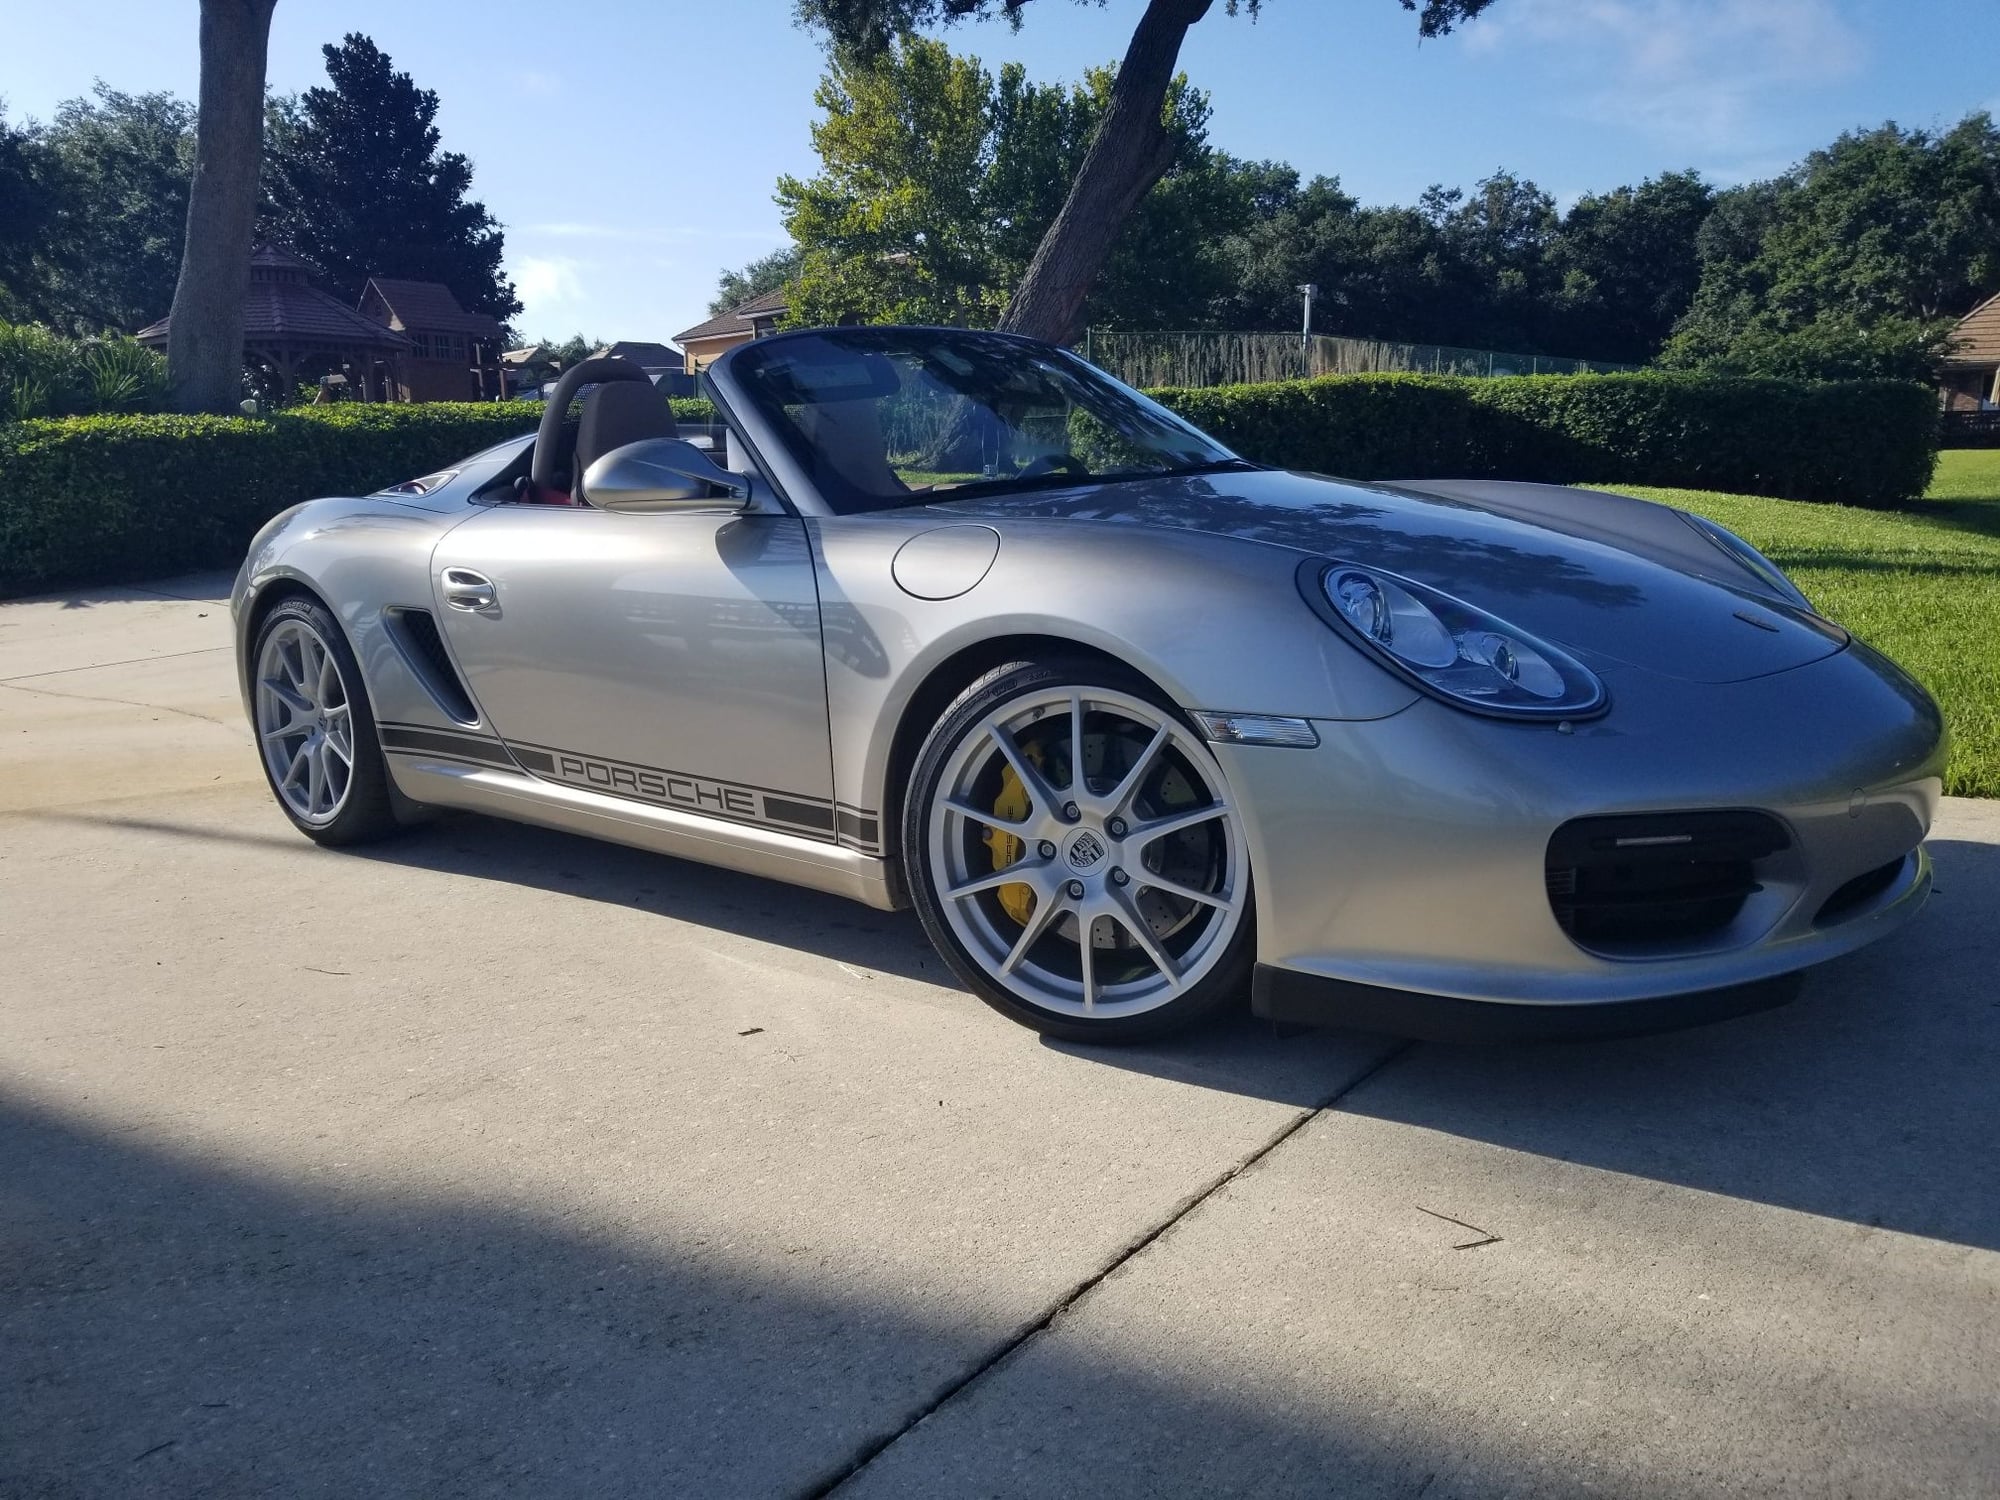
(357,187)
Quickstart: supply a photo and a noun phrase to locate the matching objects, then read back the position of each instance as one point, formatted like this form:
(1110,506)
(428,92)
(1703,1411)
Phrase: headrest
(624,411)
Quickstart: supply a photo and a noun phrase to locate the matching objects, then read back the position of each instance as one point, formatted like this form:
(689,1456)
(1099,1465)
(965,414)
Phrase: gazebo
(290,325)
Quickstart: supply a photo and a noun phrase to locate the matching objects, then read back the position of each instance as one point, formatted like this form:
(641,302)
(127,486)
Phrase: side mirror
(662,474)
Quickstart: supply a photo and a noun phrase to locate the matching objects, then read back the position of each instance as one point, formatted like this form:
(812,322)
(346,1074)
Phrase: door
(672,659)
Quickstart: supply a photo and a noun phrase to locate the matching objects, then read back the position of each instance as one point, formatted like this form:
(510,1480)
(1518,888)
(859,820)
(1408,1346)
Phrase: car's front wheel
(315,733)
(1075,855)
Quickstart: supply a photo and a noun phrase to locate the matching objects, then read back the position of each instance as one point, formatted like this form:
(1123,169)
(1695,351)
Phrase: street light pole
(1311,289)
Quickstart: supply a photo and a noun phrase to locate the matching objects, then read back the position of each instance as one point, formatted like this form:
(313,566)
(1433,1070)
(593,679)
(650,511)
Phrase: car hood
(1596,596)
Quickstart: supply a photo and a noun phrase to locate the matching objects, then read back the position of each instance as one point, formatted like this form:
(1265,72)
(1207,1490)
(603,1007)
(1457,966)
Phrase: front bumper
(1291,998)
(1407,855)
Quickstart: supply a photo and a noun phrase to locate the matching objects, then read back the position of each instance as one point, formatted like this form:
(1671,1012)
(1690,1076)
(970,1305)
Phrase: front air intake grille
(417,633)
(1860,892)
(1652,880)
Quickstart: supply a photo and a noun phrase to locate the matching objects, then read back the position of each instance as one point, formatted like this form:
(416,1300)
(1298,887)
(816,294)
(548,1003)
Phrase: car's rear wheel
(315,733)
(1075,855)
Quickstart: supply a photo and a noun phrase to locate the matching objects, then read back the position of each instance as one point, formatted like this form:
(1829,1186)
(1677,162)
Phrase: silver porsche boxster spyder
(952,620)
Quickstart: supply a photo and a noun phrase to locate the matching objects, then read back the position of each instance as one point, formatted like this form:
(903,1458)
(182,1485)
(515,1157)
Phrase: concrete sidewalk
(492,1160)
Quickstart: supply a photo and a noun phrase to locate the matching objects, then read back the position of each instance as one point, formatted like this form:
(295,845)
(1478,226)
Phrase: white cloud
(1694,73)
(546,284)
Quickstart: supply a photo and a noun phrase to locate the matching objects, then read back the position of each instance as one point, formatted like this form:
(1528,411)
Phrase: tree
(205,341)
(1166,268)
(357,187)
(938,181)
(573,350)
(766,273)
(1855,262)
(1624,266)
(27,209)
(894,226)
(1130,151)
(119,166)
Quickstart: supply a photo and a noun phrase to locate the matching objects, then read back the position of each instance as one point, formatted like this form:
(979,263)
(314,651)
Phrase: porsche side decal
(787,812)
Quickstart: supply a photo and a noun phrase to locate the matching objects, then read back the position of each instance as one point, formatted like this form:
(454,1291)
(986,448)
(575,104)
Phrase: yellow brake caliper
(1017,900)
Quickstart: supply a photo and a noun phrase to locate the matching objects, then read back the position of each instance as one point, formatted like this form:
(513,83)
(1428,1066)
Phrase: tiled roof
(769,305)
(641,353)
(1977,336)
(430,307)
(277,312)
(265,256)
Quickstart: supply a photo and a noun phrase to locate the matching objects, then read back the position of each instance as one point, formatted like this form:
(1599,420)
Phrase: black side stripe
(733,802)
(442,742)
(857,828)
(804,814)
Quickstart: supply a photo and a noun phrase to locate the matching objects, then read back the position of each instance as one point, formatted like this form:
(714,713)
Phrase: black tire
(1226,979)
(366,810)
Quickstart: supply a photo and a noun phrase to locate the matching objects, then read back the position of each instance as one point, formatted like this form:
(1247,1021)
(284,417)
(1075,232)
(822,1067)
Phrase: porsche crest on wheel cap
(1086,851)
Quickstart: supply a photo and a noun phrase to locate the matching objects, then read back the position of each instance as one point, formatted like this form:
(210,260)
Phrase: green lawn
(1921,585)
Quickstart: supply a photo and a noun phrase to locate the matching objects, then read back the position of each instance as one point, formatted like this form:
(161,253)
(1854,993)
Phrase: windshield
(881,417)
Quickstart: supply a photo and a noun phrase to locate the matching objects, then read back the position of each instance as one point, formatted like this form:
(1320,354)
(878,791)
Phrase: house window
(420,345)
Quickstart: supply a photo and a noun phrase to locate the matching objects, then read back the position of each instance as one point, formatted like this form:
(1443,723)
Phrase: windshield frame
(783,452)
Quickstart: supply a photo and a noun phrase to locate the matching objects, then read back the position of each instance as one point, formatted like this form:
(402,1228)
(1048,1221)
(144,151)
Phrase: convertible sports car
(951,619)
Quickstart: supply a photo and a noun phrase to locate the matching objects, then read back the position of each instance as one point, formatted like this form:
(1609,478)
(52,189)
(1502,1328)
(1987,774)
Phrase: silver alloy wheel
(304,722)
(1128,847)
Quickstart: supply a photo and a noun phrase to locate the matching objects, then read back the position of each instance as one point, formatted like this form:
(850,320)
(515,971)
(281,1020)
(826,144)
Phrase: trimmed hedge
(87,500)
(99,499)
(1858,442)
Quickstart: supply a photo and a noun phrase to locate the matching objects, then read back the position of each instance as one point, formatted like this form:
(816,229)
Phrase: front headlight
(1749,557)
(1451,649)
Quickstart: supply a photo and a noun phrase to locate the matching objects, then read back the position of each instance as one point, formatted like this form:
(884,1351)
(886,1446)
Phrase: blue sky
(618,227)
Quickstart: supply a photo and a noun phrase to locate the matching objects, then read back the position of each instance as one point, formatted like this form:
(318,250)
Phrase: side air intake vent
(416,633)
(1630,885)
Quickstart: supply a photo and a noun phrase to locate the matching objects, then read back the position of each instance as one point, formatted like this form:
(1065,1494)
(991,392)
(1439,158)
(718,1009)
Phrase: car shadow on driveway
(1234,1053)
(180,1325)
(1872,1098)
(1869,1099)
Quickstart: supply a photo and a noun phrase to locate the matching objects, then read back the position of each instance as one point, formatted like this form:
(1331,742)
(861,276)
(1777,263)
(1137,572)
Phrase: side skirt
(504,793)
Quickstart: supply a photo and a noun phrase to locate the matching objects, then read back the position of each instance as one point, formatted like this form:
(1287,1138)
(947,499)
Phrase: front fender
(359,557)
(1215,622)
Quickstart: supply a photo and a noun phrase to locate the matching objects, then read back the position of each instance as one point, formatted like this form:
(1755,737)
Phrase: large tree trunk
(1131,153)
(205,339)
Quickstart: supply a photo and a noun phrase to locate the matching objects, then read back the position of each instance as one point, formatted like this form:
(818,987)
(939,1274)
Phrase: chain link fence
(1203,358)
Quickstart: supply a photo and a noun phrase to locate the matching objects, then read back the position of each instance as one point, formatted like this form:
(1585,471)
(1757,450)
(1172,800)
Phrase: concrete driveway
(495,1161)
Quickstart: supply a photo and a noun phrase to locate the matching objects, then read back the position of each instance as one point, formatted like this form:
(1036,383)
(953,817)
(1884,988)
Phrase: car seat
(617,414)
(849,454)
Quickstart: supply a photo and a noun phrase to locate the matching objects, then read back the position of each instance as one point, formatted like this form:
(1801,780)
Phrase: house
(454,355)
(758,318)
(294,333)
(1971,379)
(663,362)
(529,369)
(652,358)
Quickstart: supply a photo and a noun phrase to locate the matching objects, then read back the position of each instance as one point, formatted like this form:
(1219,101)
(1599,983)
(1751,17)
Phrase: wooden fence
(1971,429)
(1202,358)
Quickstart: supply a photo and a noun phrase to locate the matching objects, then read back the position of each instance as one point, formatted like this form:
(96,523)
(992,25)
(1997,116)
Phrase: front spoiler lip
(1622,998)
(1290,997)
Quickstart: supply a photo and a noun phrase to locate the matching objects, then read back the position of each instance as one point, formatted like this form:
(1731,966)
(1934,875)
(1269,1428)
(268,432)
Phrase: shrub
(104,498)
(94,499)
(1863,442)
(43,374)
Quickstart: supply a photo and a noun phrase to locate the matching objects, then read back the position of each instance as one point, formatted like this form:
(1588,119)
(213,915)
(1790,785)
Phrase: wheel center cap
(1086,851)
